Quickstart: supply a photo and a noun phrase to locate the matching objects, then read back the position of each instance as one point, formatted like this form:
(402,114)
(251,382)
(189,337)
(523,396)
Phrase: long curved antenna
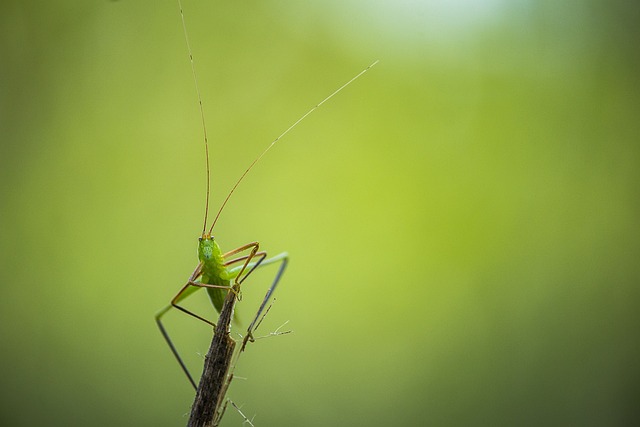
(204,126)
(257,159)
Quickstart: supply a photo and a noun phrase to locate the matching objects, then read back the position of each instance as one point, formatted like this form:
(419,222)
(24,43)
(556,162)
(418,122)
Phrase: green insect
(220,273)
(223,273)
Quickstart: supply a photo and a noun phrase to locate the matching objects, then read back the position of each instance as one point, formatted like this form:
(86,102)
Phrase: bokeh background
(462,221)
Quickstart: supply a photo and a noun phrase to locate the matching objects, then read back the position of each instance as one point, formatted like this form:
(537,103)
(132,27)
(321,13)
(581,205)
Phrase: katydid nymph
(222,275)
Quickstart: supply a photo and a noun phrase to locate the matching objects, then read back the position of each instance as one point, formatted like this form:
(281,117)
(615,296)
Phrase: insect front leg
(251,261)
(242,275)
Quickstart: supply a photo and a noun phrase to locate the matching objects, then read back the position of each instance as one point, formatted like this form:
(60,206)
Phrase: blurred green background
(462,221)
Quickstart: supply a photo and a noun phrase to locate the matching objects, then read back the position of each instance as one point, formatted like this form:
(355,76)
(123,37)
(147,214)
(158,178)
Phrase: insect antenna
(204,126)
(257,159)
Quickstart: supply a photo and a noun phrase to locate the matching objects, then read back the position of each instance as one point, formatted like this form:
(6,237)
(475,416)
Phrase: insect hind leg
(184,292)
(173,348)
(283,259)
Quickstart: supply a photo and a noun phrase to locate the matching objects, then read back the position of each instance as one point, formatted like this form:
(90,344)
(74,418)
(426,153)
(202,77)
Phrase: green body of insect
(214,271)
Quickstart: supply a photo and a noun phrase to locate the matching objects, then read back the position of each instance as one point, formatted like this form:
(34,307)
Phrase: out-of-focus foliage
(462,221)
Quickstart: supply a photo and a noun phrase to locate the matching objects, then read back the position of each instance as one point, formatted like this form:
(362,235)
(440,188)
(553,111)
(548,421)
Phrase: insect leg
(254,246)
(283,258)
(249,263)
(184,292)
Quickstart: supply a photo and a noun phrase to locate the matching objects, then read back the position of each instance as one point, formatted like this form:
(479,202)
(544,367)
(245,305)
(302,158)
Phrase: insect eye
(199,239)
